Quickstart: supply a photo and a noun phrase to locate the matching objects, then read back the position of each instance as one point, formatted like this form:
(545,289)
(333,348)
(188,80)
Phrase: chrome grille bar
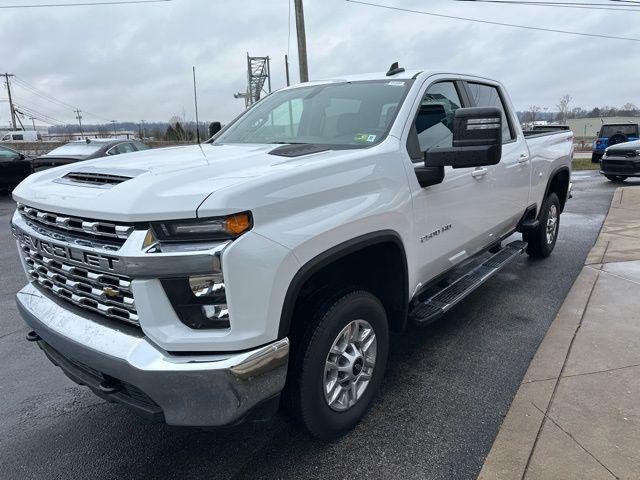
(106,294)
(75,224)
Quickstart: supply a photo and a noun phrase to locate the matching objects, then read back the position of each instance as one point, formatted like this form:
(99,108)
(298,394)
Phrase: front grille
(107,294)
(96,178)
(622,153)
(93,228)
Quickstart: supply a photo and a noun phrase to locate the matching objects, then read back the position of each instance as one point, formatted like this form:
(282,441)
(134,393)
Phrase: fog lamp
(200,301)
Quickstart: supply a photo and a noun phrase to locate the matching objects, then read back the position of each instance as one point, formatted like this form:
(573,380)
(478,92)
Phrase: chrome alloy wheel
(552,224)
(349,365)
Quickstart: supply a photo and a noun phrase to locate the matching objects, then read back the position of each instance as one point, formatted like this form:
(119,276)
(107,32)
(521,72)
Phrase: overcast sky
(133,62)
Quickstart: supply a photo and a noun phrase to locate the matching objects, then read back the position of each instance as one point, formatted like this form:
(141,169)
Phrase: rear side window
(122,148)
(489,96)
(434,122)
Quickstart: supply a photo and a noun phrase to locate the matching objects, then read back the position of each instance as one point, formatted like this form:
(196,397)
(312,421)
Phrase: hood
(157,184)
(625,146)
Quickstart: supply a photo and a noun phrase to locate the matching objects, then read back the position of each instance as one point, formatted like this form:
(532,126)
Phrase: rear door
(509,180)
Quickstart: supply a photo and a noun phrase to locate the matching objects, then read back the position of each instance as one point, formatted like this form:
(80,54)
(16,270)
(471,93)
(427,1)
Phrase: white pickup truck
(204,284)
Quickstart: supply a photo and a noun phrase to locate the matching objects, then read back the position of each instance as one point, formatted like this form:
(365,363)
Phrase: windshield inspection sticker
(365,137)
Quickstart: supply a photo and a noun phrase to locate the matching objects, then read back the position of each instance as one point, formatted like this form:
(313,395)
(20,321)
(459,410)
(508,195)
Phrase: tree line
(564,111)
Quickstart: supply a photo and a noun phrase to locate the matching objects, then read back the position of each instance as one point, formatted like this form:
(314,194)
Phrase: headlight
(204,229)
(199,301)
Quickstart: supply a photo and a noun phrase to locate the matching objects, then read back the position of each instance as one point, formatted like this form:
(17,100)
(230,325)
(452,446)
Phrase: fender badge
(435,233)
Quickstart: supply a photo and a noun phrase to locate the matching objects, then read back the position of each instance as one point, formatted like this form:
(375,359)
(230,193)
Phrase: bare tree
(533,113)
(563,107)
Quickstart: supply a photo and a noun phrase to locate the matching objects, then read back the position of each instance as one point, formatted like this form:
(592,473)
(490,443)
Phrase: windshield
(352,114)
(76,149)
(627,130)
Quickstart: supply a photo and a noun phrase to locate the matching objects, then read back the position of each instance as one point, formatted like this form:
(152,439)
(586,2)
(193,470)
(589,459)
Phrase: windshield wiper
(290,143)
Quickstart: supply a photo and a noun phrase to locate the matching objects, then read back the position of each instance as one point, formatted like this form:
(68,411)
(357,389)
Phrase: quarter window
(434,122)
(489,96)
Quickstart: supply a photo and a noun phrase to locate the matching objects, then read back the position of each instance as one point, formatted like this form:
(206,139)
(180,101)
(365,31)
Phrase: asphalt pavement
(447,389)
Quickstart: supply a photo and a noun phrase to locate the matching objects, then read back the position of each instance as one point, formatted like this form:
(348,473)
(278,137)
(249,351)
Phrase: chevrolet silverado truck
(207,285)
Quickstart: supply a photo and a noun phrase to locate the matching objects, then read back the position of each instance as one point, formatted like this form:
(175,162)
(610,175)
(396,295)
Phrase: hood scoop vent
(99,177)
(96,178)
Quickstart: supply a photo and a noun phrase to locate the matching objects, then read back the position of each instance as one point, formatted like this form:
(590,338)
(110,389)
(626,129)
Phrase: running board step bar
(435,306)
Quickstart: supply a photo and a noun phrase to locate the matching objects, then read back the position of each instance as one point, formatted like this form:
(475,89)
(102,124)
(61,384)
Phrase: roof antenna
(394,69)
(195,100)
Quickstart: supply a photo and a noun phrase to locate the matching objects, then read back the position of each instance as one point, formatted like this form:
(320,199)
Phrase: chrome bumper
(118,362)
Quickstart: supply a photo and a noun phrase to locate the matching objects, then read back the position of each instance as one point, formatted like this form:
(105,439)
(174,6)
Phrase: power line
(490,22)
(580,6)
(85,4)
(36,91)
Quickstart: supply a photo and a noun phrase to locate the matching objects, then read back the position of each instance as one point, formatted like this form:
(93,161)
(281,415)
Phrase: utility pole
(302,42)
(11,107)
(113,122)
(79,117)
(142,128)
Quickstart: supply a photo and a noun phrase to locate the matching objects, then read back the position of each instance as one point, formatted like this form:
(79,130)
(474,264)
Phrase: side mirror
(477,140)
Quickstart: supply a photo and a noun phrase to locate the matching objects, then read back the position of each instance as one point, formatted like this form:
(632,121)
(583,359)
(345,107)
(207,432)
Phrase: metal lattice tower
(258,80)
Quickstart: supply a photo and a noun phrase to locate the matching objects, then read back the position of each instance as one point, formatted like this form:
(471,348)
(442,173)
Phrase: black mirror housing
(477,140)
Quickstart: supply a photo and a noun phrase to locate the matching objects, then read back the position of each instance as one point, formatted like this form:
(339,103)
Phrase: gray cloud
(134,62)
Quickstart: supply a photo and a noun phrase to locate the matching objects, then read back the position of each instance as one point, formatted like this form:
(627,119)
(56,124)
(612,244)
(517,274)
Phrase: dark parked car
(621,161)
(85,150)
(14,167)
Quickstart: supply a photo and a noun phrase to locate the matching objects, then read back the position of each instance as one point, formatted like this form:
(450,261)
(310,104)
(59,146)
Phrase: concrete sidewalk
(577,412)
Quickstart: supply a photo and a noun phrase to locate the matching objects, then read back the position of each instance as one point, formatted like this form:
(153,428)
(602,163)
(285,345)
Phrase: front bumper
(121,364)
(615,166)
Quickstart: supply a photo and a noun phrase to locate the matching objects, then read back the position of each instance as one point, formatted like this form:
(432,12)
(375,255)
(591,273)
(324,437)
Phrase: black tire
(595,158)
(616,178)
(304,393)
(539,245)
(616,139)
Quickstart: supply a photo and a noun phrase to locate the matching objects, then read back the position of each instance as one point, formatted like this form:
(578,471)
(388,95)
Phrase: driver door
(450,221)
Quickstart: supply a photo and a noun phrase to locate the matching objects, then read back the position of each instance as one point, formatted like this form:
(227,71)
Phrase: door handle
(479,172)
(524,158)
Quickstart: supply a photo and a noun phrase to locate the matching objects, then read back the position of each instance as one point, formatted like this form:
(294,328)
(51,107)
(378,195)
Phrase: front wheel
(542,240)
(616,178)
(339,363)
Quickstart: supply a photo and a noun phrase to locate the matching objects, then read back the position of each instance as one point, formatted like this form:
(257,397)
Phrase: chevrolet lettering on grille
(101,262)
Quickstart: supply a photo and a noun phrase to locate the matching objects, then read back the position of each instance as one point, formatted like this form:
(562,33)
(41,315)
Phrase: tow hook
(33,337)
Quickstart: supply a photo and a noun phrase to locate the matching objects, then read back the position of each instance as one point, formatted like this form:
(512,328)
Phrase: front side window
(348,115)
(489,96)
(434,122)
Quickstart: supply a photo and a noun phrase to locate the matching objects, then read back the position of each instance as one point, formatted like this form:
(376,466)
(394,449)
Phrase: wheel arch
(352,253)
(558,183)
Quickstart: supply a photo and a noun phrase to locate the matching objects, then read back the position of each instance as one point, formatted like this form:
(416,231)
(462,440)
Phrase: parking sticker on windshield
(365,137)
(395,83)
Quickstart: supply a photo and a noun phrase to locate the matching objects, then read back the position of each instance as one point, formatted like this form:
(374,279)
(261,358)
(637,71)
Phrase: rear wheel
(542,240)
(339,363)
(616,178)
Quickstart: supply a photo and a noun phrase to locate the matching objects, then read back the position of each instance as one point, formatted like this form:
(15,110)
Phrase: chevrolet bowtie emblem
(110,292)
